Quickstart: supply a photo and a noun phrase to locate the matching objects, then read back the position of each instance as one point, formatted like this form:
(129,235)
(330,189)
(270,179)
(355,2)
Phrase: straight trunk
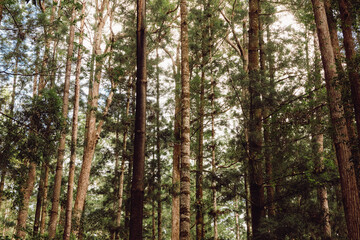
(61,149)
(185,127)
(158,157)
(122,167)
(353,72)
(175,207)
(137,187)
(74,134)
(255,124)
(318,151)
(38,203)
(44,199)
(340,133)
(26,191)
(2,184)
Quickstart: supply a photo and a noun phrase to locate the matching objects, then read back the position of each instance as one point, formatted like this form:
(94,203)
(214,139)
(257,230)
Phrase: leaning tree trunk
(137,188)
(185,127)
(340,134)
(61,149)
(92,132)
(255,124)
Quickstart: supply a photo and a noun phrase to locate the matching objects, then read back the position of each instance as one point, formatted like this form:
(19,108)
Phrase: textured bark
(175,207)
(44,199)
(255,124)
(199,222)
(340,134)
(185,127)
(137,187)
(39,202)
(61,150)
(318,151)
(92,132)
(26,192)
(353,73)
(74,134)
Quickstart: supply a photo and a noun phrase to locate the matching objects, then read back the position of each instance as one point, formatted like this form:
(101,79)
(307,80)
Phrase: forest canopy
(162,119)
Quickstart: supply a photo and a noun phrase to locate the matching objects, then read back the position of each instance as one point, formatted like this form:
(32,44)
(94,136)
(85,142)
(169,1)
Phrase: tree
(137,187)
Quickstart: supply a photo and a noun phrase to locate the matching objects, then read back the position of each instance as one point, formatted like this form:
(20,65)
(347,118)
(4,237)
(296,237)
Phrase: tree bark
(137,187)
(74,133)
(185,127)
(255,124)
(175,207)
(44,198)
(340,133)
(92,132)
(61,150)
(353,72)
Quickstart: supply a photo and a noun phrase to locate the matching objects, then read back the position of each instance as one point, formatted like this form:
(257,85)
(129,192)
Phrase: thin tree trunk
(61,150)
(237,223)
(185,127)
(2,184)
(158,157)
(318,150)
(340,133)
(74,134)
(39,202)
(255,124)
(175,207)
(122,167)
(44,198)
(137,188)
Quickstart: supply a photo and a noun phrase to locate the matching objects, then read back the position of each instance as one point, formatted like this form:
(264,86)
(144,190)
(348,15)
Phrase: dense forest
(188,119)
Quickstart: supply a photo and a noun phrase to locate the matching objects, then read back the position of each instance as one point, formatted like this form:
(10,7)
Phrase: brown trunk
(92,132)
(199,222)
(175,209)
(237,224)
(44,199)
(26,192)
(74,134)
(39,202)
(318,151)
(137,188)
(255,124)
(353,73)
(185,127)
(122,167)
(340,133)
(61,150)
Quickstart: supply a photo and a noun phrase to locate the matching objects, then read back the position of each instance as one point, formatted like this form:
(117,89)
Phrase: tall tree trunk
(137,188)
(2,184)
(61,150)
(120,193)
(158,156)
(92,132)
(318,150)
(200,154)
(175,207)
(353,72)
(74,133)
(340,133)
(255,124)
(185,127)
